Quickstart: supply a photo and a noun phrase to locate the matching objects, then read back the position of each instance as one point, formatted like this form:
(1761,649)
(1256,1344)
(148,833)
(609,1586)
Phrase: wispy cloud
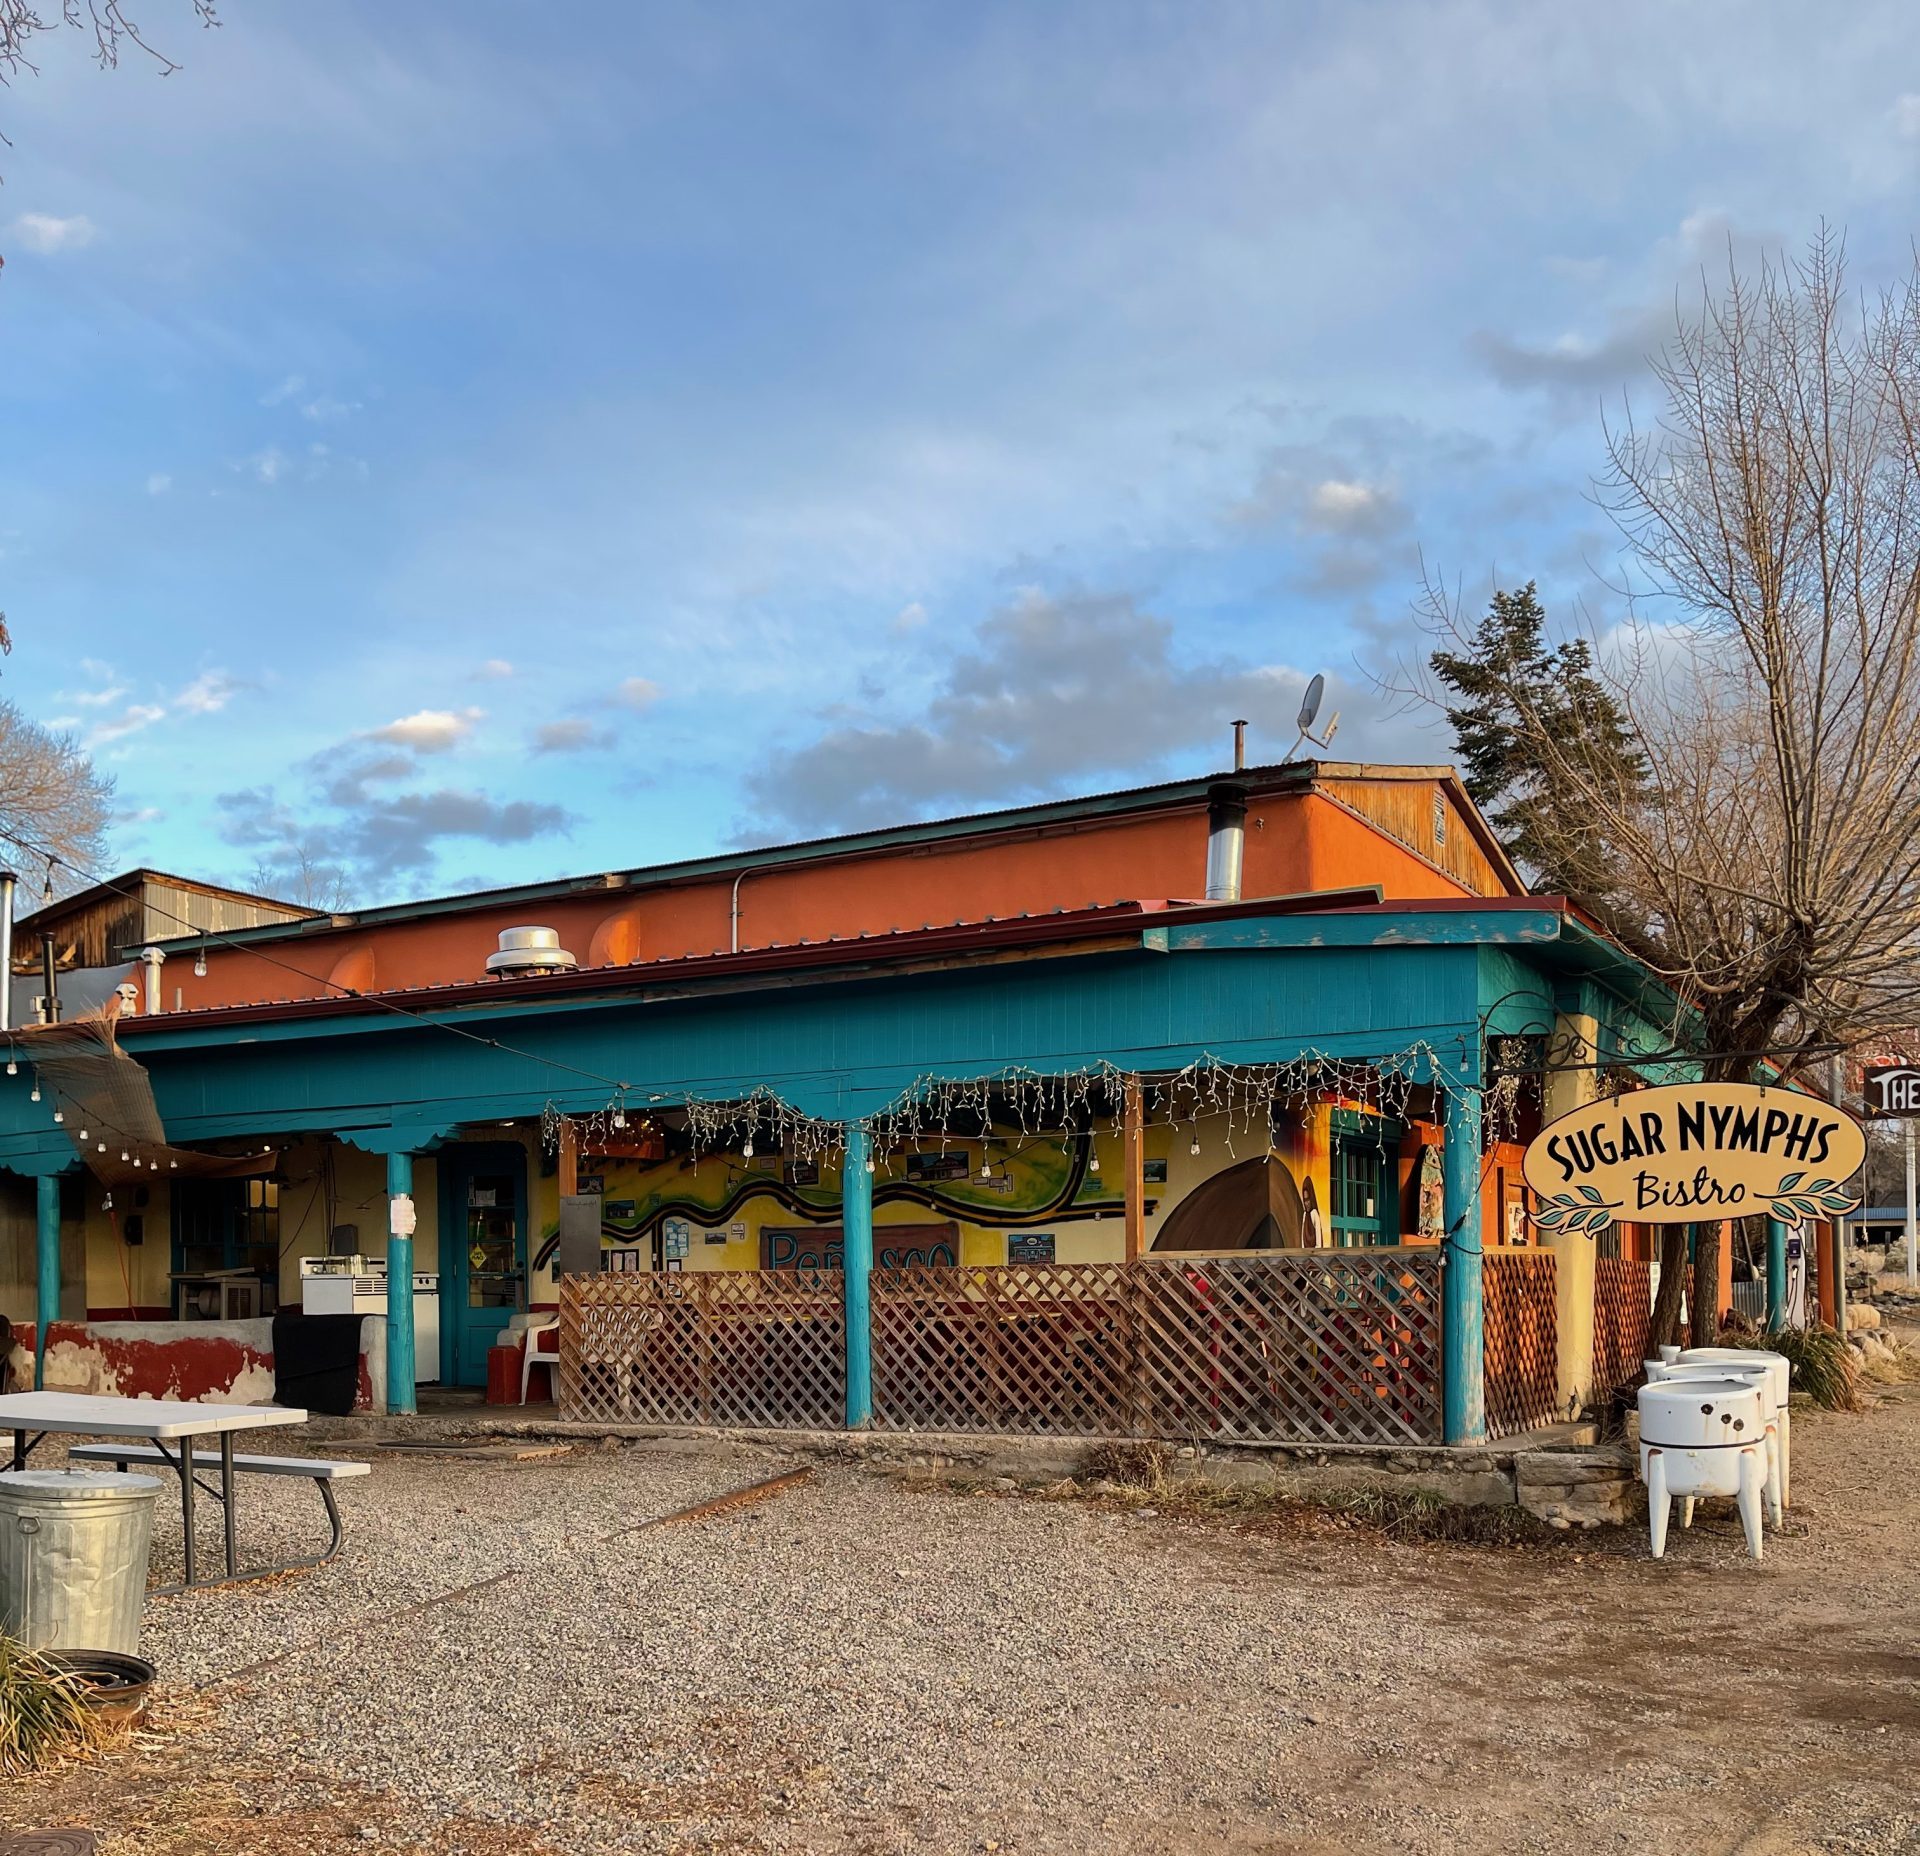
(159,483)
(494,670)
(636,693)
(571,735)
(208,693)
(130,721)
(47,233)
(267,465)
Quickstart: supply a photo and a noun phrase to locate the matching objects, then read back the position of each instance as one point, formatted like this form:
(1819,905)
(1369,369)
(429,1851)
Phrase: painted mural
(770,1212)
(1020,1198)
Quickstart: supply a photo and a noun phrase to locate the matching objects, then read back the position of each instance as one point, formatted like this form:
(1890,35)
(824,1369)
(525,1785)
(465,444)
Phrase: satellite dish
(1309,714)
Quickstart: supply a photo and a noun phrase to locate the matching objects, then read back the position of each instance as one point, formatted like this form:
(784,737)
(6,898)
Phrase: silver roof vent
(529,950)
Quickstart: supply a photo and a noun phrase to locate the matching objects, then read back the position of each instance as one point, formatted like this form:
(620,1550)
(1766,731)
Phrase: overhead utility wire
(57,862)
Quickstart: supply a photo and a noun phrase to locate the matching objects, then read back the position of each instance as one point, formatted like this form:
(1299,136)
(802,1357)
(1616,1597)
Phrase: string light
(35,1096)
(59,1115)
(13,1066)
(200,964)
(1240,1099)
(124,1155)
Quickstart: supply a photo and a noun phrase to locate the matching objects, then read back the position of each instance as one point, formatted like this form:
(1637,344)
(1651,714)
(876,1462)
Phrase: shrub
(1823,1364)
(44,1715)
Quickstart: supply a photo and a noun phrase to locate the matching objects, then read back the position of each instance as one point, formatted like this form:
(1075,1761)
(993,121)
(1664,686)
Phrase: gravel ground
(862,1666)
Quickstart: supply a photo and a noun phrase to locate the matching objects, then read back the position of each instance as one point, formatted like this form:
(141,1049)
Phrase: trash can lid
(78,1485)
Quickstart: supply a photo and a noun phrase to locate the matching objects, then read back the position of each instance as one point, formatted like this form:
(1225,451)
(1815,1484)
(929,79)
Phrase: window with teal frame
(1364,1194)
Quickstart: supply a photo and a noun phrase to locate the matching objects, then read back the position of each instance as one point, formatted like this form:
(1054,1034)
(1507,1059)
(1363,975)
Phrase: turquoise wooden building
(828,1047)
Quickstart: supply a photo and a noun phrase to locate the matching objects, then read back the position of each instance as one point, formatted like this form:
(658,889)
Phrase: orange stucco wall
(1295,842)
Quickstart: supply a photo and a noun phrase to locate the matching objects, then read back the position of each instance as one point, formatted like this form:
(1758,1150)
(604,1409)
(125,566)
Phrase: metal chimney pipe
(50,980)
(1239,745)
(8,881)
(1226,840)
(152,958)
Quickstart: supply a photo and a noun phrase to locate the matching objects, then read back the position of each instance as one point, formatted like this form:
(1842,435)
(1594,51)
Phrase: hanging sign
(1690,1152)
(1891,1088)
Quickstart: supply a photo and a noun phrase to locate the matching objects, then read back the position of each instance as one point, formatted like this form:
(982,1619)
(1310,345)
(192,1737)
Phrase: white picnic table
(160,1423)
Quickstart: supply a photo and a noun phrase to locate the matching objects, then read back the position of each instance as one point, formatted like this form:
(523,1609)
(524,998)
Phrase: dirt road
(861,1667)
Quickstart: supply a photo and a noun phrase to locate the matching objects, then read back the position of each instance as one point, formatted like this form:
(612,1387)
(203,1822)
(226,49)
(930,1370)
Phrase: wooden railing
(1320,1347)
(760,1349)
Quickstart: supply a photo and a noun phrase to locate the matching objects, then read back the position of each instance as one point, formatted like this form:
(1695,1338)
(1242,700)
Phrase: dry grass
(44,1714)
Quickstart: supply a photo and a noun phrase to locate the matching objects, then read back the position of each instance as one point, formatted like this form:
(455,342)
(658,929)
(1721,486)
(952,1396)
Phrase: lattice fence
(1521,1342)
(760,1349)
(1622,1314)
(1325,1348)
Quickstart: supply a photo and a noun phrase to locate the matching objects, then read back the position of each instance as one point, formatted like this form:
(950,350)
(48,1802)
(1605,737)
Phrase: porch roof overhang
(839,1031)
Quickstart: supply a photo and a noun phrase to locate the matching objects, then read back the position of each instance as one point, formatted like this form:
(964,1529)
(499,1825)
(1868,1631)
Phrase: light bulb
(59,1115)
(619,1118)
(986,1169)
(746,1149)
(84,1135)
(173,1166)
(103,1147)
(13,1069)
(106,1204)
(869,1166)
(35,1097)
(1093,1161)
(1193,1146)
(136,1163)
(124,1155)
(200,965)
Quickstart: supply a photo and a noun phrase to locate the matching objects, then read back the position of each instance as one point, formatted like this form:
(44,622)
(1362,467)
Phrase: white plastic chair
(534,1355)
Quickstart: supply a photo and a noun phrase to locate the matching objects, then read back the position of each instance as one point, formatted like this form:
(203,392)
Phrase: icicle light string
(958,1110)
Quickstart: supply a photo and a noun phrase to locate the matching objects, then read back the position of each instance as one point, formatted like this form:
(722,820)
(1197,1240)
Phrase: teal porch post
(400,1369)
(1776,1275)
(1463,1412)
(856,1250)
(47,1310)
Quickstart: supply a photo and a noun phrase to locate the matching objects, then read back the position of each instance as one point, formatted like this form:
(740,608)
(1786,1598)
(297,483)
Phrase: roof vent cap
(529,950)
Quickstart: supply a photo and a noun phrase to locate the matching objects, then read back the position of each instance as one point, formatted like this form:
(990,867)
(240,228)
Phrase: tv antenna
(1309,710)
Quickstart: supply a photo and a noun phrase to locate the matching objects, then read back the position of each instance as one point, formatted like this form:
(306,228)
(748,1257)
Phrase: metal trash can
(73,1558)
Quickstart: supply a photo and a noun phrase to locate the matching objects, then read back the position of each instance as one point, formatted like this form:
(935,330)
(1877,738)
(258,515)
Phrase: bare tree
(53,802)
(23,22)
(301,874)
(1769,869)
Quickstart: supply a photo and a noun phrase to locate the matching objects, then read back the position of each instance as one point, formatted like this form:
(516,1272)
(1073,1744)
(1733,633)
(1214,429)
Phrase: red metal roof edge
(911,944)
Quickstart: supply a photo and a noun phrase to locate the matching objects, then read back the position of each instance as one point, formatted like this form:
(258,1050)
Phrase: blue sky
(468,443)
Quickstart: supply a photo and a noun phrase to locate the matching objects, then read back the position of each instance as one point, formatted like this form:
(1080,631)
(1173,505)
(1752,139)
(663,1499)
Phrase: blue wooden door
(483,1253)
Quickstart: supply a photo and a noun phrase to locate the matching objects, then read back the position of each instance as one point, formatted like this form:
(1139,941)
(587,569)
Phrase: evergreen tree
(1512,690)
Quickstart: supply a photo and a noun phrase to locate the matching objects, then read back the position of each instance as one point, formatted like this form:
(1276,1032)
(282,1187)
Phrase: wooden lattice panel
(1622,1317)
(1320,1347)
(1325,1348)
(1025,1348)
(753,1349)
(1521,1341)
